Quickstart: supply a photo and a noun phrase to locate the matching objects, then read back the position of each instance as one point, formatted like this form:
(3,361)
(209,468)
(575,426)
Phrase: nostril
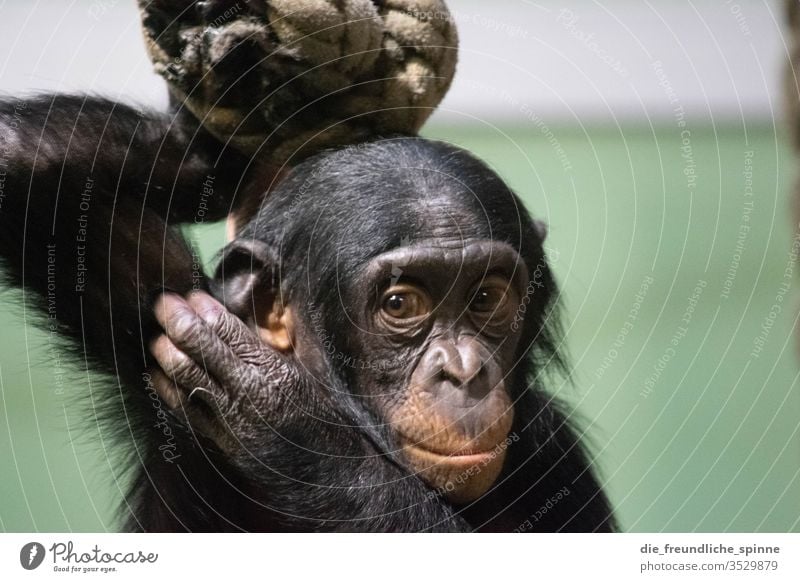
(453,373)
(459,362)
(462,368)
(478,386)
(439,359)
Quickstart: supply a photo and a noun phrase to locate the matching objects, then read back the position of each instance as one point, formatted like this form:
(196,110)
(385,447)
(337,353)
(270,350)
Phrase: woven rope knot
(279,75)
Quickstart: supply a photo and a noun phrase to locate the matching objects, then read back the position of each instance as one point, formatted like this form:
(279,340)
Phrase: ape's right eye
(405,302)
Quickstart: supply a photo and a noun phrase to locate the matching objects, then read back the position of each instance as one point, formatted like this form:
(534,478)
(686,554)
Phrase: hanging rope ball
(274,76)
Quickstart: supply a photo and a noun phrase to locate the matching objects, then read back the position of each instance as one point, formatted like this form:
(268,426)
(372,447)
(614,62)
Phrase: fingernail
(150,298)
(204,305)
(168,303)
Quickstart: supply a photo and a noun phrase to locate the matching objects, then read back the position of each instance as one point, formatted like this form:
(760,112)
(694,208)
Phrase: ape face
(436,341)
(397,274)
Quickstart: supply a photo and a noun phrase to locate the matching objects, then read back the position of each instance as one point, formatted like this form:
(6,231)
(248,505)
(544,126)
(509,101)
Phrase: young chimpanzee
(378,362)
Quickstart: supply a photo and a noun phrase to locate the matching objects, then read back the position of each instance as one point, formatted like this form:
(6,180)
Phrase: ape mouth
(447,445)
(470,455)
(460,473)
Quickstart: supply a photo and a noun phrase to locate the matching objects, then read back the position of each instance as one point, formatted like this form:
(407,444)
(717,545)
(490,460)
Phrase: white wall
(596,59)
(562,59)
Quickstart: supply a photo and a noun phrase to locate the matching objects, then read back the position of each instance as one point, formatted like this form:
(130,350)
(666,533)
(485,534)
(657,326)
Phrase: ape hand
(214,371)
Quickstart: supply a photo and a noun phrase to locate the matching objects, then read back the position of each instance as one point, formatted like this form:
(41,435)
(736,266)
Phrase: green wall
(707,440)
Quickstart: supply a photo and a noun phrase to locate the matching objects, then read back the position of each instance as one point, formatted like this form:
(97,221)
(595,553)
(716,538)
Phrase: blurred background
(648,134)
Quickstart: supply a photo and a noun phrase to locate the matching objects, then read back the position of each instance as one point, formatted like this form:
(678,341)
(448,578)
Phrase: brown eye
(488,299)
(405,302)
(491,298)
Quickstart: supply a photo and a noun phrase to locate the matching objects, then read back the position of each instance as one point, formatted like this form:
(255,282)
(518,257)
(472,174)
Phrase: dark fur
(147,175)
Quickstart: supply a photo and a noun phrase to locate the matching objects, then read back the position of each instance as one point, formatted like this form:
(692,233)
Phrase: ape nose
(459,361)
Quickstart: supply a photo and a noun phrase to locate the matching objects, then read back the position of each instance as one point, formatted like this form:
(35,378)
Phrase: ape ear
(541,228)
(247,283)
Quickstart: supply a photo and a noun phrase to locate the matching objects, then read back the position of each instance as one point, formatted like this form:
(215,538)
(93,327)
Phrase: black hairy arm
(88,188)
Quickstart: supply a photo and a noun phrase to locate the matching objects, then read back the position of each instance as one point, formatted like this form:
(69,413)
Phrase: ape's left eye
(491,298)
(488,299)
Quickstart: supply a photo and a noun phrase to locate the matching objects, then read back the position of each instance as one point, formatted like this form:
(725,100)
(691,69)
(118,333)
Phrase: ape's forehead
(451,217)
(448,218)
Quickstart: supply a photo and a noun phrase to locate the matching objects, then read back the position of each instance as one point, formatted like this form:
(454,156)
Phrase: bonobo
(379,288)
(380,360)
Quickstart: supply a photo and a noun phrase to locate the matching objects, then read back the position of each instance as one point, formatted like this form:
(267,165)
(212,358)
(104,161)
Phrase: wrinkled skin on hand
(216,372)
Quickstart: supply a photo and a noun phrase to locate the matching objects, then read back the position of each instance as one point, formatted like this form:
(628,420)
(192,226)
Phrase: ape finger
(181,369)
(166,389)
(198,342)
(230,329)
(199,408)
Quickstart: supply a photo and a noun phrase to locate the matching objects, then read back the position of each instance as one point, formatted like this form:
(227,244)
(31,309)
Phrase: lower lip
(453,459)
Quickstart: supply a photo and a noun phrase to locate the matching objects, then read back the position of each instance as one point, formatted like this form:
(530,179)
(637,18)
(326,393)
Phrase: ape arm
(86,189)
